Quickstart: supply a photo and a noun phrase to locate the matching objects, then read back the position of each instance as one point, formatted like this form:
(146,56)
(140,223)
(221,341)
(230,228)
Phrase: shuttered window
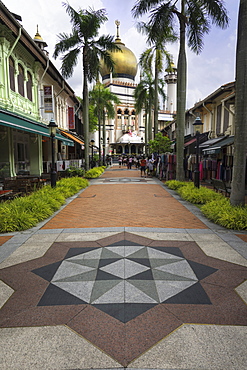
(12,74)
(29,86)
(20,80)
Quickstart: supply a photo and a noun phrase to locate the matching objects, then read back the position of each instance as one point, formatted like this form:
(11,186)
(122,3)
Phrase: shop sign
(48,98)
(71,118)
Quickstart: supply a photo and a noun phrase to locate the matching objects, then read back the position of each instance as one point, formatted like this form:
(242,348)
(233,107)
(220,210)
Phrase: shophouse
(32,92)
(217,113)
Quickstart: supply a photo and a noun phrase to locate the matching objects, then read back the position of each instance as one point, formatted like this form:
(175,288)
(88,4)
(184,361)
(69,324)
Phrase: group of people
(145,164)
(128,161)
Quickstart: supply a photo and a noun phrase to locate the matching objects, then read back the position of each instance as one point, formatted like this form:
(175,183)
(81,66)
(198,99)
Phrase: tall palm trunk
(85,109)
(156,96)
(150,126)
(240,140)
(104,138)
(99,132)
(181,99)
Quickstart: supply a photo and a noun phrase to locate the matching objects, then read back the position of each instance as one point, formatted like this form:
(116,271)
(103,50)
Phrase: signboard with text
(48,99)
(71,118)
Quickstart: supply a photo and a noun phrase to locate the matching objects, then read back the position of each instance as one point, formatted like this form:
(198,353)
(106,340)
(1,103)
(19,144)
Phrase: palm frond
(197,26)
(161,22)
(161,88)
(91,21)
(65,43)
(102,98)
(142,7)
(217,12)
(93,63)
(69,62)
(146,60)
(75,16)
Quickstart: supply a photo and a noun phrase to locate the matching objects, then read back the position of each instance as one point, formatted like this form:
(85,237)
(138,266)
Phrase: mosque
(125,134)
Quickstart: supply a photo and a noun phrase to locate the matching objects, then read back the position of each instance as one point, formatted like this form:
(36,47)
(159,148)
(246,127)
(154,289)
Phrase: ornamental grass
(25,212)
(215,206)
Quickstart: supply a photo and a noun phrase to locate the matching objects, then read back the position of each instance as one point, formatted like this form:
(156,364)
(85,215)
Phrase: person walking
(120,161)
(130,162)
(143,164)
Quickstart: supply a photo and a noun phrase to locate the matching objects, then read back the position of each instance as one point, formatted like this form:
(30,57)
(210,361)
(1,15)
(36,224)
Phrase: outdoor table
(3,193)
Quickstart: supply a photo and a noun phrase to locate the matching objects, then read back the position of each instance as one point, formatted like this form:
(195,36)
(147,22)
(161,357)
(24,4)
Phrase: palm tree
(155,55)
(237,197)
(144,99)
(103,101)
(194,18)
(82,40)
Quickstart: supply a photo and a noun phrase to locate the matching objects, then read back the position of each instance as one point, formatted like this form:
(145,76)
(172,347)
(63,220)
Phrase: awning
(214,149)
(72,137)
(210,142)
(189,142)
(64,140)
(21,123)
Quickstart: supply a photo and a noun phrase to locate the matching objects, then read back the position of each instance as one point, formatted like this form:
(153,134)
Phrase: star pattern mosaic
(124,279)
(123,293)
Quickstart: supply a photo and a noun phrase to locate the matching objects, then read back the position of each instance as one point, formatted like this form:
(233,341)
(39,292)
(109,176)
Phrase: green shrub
(223,213)
(71,186)
(24,213)
(75,171)
(12,218)
(94,172)
(174,184)
(215,206)
(196,195)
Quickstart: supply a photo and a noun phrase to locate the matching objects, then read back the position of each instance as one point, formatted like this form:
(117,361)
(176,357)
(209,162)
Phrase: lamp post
(52,131)
(198,125)
(103,149)
(92,144)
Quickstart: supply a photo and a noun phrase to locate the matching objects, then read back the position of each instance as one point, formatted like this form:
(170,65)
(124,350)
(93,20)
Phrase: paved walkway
(126,275)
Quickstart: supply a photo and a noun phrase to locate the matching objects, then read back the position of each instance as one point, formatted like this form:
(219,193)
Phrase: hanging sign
(71,118)
(48,99)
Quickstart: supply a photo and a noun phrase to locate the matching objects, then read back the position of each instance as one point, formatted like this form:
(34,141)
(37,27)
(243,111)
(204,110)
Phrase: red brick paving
(4,239)
(121,172)
(124,205)
(243,237)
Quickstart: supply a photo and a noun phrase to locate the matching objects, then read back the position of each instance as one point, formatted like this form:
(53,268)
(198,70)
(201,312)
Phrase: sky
(213,67)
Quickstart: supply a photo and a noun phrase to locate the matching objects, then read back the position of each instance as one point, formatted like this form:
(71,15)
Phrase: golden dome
(125,61)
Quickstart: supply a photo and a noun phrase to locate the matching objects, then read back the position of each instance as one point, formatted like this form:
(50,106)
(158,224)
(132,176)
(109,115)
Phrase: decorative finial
(37,36)
(117,23)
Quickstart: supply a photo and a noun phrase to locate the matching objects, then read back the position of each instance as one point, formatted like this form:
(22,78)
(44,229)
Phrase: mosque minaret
(171,81)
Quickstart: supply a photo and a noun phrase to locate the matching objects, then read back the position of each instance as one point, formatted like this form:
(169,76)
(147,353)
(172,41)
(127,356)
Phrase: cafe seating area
(21,185)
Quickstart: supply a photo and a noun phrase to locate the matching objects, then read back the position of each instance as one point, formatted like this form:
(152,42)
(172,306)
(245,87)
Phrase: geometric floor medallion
(124,279)
(123,293)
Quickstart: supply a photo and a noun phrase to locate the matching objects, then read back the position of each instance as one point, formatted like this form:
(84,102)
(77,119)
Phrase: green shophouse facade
(24,71)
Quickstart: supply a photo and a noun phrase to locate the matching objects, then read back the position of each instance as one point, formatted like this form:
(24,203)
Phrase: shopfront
(23,145)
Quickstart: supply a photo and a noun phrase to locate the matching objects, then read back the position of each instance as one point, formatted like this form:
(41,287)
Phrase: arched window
(12,73)
(20,80)
(133,118)
(29,86)
(119,114)
(126,117)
